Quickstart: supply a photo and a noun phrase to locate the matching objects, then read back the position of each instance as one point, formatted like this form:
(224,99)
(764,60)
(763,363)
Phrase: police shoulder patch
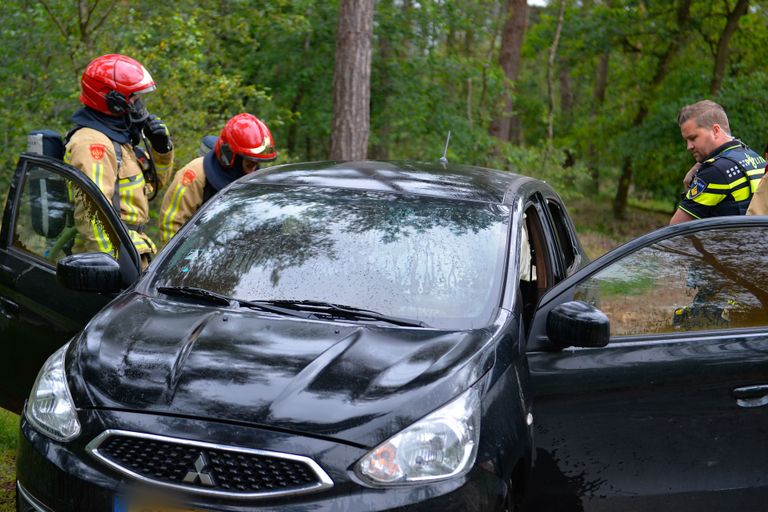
(697,187)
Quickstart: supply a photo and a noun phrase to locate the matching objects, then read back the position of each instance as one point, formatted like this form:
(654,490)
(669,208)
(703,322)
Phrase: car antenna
(444,159)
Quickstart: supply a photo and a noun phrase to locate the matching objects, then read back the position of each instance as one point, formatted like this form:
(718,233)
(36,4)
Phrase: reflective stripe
(98,174)
(105,245)
(102,240)
(742,194)
(707,199)
(162,167)
(170,215)
(142,244)
(738,182)
(689,212)
(127,186)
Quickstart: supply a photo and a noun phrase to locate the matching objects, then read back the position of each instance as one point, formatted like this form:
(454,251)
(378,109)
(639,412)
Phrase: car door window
(55,217)
(565,241)
(535,269)
(706,280)
(678,390)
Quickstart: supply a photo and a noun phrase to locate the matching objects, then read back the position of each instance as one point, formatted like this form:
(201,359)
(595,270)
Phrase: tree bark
(598,99)
(567,97)
(506,125)
(550,74)
(352,81)
(721,57)
(683,15)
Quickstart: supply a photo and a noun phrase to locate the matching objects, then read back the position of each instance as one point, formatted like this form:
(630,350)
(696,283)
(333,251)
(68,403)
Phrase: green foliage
(9,431)
(434,69)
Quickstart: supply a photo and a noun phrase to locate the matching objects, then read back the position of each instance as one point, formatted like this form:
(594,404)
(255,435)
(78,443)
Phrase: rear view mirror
(89,272)
(578,324)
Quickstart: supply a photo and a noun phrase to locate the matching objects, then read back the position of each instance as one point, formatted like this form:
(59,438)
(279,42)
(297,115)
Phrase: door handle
(8,311)
(751,396)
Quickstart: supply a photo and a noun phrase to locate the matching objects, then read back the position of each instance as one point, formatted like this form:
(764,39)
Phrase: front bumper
(61,477)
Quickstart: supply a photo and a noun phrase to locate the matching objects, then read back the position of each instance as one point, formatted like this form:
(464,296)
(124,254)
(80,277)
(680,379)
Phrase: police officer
(727,171)
(108,129)
(759,203)
(722,182)
(244,143)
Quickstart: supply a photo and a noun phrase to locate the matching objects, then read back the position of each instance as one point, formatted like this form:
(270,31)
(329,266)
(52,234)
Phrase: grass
(9,425)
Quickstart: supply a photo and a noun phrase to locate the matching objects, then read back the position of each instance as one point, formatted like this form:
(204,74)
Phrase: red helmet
(110,81)
(246,136)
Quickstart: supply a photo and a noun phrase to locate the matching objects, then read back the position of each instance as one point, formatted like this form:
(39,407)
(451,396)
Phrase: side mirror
(578,324)
(89,272)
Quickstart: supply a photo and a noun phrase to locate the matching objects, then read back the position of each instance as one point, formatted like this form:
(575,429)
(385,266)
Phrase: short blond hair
(706,114)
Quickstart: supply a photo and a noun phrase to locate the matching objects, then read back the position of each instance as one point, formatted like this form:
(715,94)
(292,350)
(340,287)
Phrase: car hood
(358,383)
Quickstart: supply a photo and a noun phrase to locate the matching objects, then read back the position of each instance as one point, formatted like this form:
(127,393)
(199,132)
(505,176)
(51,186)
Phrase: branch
(736,277)
(107,12)
(55,19)
(631,47)
(707,258)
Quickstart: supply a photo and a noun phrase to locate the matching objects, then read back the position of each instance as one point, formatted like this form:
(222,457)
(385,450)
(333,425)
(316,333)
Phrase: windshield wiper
(342,311)
(218,298)
(196,293)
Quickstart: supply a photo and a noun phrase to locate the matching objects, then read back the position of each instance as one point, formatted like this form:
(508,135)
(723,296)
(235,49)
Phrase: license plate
(125,505)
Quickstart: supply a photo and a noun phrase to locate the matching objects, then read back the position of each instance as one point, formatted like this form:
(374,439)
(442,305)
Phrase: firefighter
(759,204)
(244,143)
(726,173)
(105,145)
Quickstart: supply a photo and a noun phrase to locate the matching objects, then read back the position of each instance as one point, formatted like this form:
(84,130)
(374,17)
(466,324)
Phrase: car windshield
(428,259)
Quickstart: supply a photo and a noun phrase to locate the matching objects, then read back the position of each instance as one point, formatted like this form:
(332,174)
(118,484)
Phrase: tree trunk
(567,98)
(506,125)
(683,15)
(550,75)
(598,99)
(721,57)
(352,81)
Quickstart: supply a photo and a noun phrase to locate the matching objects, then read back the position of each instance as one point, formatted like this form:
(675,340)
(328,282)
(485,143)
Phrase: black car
(379,336)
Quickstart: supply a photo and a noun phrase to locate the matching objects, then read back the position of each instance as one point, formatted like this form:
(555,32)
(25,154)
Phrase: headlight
(50,408)
(439,446)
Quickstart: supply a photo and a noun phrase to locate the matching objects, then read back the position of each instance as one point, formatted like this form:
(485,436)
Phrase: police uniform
(759,203)
(725,182)
(93,153)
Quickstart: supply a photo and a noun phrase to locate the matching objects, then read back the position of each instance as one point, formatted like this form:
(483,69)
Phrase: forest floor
(600,232)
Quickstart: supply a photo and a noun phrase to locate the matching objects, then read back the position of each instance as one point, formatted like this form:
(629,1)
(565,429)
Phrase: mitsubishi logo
(198,474)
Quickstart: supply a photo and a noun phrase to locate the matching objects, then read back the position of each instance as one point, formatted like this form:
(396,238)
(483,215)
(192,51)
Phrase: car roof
(433,179)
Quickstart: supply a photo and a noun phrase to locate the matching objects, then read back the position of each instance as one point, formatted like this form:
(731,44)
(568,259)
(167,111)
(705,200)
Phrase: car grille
(208,468)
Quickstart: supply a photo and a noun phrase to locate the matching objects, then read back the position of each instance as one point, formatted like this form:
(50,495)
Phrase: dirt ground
(600,232)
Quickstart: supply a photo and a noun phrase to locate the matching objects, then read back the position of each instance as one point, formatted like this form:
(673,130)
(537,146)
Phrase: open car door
(49,207)
(670,410)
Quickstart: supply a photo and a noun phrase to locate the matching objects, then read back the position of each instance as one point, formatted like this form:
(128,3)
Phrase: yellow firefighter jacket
(182,199)
(759,203)
(94,154)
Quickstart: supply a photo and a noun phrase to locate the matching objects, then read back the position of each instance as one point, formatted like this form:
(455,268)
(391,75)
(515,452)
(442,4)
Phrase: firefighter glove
(158,135)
